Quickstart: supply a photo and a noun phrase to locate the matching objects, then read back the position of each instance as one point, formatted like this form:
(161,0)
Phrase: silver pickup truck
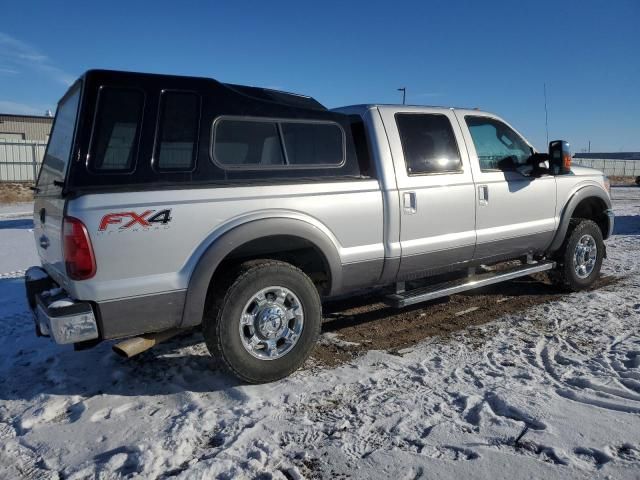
(166,203)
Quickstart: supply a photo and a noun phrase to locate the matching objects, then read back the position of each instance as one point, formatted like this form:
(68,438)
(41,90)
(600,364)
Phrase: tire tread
(233,278)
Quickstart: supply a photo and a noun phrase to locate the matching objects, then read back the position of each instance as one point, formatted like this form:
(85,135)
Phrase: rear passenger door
(435,184)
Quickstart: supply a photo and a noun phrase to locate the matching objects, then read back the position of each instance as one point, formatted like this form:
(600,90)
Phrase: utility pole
(404,94)
(589,146)
(546,115)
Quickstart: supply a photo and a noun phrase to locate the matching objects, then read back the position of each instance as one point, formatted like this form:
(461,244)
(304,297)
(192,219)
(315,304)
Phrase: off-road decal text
(127,220)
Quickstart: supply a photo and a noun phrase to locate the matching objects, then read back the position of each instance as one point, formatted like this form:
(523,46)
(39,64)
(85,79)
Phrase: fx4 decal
(127,220)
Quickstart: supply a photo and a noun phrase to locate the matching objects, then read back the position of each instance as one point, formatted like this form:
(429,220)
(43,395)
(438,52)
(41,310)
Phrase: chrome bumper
(55,314)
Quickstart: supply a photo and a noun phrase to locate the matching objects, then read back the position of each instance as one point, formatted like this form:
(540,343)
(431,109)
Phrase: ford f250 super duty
(165,203)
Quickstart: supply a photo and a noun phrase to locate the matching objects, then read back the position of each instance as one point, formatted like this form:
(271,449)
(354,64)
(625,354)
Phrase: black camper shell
(137,131)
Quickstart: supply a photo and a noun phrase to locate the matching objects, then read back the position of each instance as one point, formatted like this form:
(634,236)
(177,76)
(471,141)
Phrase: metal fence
(20,160)
(611,167)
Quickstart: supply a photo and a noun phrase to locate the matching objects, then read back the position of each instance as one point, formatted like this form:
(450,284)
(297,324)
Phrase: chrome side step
(411,297)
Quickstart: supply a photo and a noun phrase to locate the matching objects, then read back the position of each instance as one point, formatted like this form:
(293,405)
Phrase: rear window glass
(428,143)
(243,143)
(116,130)
(313,143)
(61,140)
(177,131)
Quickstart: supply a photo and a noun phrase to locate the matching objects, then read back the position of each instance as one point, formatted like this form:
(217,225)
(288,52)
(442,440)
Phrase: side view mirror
(559,157)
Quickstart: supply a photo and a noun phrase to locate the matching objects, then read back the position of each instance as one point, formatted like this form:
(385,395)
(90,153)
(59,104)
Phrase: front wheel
(265,322)
(581,256)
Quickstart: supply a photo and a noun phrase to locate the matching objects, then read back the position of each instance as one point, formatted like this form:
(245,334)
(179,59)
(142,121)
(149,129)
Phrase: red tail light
(78,253)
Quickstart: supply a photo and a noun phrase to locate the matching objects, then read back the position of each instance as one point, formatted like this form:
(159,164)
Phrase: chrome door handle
(409,202)
(483,194)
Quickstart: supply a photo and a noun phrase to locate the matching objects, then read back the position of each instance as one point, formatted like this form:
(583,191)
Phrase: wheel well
(593,208)
(287,248)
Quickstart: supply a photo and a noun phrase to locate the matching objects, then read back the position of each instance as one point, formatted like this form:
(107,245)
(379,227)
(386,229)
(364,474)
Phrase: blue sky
(495,55)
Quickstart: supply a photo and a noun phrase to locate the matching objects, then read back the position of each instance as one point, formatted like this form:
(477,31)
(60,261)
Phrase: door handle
(409,202)
(483,194)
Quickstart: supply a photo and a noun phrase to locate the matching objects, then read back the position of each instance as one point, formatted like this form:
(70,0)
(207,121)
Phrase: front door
(515,212)
(435,185)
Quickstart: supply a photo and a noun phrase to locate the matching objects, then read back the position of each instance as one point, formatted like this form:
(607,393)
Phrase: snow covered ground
(567,372)
(17,248)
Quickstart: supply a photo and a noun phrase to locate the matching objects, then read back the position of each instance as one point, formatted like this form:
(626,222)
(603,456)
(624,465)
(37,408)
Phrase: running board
(411,297)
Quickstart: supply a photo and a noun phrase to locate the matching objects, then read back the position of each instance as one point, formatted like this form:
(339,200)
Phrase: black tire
(221,327)
(567,275)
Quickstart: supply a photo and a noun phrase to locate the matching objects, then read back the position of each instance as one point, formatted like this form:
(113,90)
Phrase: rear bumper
(55,314)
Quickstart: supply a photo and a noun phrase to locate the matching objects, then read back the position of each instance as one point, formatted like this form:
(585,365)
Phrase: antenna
(404,93)
(546,114)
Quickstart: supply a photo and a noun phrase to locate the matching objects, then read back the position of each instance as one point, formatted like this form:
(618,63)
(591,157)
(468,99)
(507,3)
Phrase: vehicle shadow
(627,225)
(353,312)
(176,366)
(366,313)
(25,223)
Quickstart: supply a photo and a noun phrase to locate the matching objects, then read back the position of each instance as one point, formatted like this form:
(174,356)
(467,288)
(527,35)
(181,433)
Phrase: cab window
(498,146)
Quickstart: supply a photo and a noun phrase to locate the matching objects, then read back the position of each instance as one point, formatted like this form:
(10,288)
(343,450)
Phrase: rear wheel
(580,257)
(265,322)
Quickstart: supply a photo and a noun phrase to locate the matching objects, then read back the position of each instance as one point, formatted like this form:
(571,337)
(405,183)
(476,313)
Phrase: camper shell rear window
(60,146)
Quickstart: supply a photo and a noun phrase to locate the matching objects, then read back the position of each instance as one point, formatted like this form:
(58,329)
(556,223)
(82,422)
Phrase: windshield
(60,144)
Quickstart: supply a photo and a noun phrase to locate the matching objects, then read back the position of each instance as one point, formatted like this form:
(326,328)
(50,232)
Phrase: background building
(25,127)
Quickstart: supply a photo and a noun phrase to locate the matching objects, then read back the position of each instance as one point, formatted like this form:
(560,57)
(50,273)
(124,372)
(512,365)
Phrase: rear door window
(177,136)
(428,143)
(116,131)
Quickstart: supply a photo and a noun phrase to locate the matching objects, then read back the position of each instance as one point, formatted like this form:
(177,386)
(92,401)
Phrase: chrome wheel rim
(271,323)
(585,256)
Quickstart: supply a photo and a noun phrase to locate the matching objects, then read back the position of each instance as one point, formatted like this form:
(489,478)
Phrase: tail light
(78,253)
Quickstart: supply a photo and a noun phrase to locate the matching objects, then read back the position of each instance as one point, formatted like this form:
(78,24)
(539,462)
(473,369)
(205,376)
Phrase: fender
(220,246)
(581,194)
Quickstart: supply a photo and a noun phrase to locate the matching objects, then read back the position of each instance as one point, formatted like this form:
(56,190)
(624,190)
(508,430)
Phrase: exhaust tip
(133,346)
(117,349)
